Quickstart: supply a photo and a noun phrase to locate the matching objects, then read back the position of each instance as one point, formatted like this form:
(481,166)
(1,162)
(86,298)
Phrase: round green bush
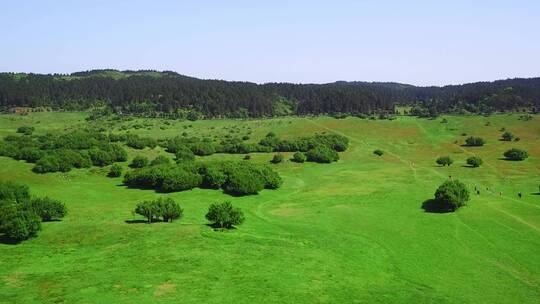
(474,161)
(224,215)
(451,195)
(516,154)
(322,154)
(298,157)
(115,171)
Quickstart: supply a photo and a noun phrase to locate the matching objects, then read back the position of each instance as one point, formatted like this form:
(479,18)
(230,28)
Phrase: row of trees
(235,178)
(221,215)
(168,93)
(475,161)
(21,215)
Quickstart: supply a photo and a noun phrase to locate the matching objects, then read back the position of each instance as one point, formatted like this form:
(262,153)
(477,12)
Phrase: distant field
(347,232)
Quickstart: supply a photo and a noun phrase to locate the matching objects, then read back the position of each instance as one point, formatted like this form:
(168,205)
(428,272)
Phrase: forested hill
(157,93)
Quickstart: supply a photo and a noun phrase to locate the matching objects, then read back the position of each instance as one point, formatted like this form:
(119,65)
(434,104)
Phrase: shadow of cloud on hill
(431,206)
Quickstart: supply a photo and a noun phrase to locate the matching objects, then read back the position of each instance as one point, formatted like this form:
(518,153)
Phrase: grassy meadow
(347,232)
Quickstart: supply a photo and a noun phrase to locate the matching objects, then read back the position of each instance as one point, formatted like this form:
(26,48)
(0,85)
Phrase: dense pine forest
(153,93)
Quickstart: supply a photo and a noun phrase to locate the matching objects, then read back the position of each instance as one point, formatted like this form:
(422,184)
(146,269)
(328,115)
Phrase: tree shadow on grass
(537,193)
(431,206)
(8,241)
(468,166)
(135,221)
(216,227)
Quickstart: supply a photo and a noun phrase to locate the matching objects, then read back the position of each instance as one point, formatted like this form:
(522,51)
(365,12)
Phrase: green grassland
(347,232)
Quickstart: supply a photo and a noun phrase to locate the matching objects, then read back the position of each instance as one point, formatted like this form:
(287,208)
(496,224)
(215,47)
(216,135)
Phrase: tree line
(169,94)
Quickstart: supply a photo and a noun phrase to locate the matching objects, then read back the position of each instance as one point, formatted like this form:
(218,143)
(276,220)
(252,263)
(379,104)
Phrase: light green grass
(348,232)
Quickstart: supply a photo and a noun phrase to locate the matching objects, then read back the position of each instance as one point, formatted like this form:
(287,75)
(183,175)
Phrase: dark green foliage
(451,195)
(378,152)
(516,154)
(247,157)
(243,182)
(444,161)
(507,136)
(165,208)
(18,223)
(224,215)
(48,208)
(21,215)
(160,160)
(475,141)
(179,179)
(298,157)
(26,130)
(278,158)
(474,161)
(115,171)
(213,177)
(139,162)
(322,154)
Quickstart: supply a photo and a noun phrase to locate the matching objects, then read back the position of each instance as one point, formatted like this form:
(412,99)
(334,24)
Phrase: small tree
(299,157)
(322,154)
(451,195)
(507,136)
(475,141)
(278,158)
(516,154)
(474,161)
(18,223)
(444,161)
(139,162)
(47,209)
(147,209)
(115,171)
(168,209)
(378,152)
(224,215)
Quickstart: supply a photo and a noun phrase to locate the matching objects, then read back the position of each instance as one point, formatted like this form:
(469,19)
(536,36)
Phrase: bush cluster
(26,130)
(322,154)
(516,154)
(80,149)
(138,142)
(165,209)
(474,141)
(444,161)
(21,215)
(224,215)
(474,161)
(237,178)
(299,157)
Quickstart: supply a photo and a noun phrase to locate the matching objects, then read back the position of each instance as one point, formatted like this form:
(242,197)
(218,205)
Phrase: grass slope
(348,232)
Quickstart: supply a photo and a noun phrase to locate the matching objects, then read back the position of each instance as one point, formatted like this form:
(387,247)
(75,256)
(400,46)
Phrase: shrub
(100,157)
(516,154)
(48,209)
(278,158)
(160,160)
(507,136)
(224,215)
(26,130)
(203,148)
(184,155)
(247,157)
(213,177)
(48,163)
(139,162)
(17,223)
(444,161)
(168,209)
(322,154)
(451,195)
(180,180)
(475,141)
(13,192)
(299,157)
(378,152)
(474,161)
(115,171)
(148,209)
(243,182)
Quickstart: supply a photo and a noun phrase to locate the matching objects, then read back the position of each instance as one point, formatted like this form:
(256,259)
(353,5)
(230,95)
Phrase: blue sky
(417,42)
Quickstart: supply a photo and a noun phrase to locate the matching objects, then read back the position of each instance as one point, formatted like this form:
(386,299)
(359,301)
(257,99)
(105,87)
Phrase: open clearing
(347,232)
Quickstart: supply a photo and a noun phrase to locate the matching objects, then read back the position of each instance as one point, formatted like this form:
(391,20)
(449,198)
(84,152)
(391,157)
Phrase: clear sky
(417,42)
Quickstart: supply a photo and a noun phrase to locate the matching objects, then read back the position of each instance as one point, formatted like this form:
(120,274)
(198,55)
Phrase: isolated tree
(299,157)
(475,141)
(378,152)
(451,195)
(507,136)
(278,158)
(444,161)
(115,171)
(139,162)
(474,161)
(224,215)
(516,154)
